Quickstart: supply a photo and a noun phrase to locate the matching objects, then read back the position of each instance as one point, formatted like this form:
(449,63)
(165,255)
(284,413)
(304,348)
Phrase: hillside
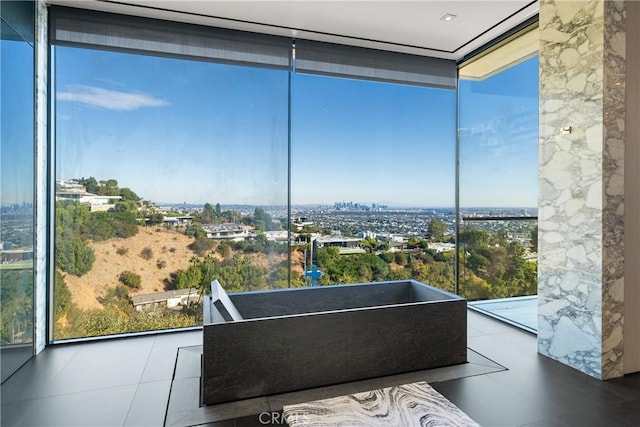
(116,255)
(167,245)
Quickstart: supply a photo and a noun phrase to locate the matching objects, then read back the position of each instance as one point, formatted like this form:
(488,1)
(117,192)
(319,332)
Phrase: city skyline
(180,131)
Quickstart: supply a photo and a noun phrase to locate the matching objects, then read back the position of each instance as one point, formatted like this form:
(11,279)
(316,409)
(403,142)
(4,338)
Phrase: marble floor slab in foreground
(416,404)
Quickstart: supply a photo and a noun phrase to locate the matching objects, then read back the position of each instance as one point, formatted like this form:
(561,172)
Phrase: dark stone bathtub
(262,343)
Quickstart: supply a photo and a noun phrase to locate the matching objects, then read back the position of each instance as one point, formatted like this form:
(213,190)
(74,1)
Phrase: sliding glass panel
(169,173)
(372,181)
(499,182)
(16,185)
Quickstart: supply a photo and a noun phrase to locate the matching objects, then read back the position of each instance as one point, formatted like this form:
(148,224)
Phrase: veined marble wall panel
(581,187)
(613,198)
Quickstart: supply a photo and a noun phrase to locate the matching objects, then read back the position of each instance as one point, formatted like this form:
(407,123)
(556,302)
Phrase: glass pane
(372,181)
(169,174)
(499,183)
(16,197)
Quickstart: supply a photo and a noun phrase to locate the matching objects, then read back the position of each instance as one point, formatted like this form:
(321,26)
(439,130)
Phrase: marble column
(41,182)
(581,185)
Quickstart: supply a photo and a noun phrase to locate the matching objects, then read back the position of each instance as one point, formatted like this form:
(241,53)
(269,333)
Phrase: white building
(94,201)
(442,247)
(233,232)
(170,299)
(277,235)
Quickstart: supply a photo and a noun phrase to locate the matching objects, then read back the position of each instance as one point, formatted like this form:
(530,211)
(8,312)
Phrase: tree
(259,225)
(128,194)
(125,206)
(413,242)
(439,274)
(224,249)
(108,188)
(156,218)
(62,296)
(474,238)
(73,256)
(263,219)
(437,229)
(401,258)
(195,230)
(369,244)
(534,239)
(100,226)
(189,278)
(208,215)
(90,184)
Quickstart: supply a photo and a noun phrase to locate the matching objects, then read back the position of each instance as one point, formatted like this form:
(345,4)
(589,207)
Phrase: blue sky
(499,138)
(195,132)
(16,131)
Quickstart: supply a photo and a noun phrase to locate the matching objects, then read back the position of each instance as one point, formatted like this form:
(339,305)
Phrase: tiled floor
(520,311)
(102,383)
(127,382)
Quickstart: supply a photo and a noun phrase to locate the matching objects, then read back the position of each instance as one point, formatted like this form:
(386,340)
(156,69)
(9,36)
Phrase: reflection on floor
(519,311)
(128,381)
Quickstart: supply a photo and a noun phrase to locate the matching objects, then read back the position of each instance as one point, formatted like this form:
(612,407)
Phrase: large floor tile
(621,415)
(12,414)
(38,373)
(488,325)
(490,403)
(162,359)
(106,407)
(523,341)
(99,365)
(149,404)
(500,352)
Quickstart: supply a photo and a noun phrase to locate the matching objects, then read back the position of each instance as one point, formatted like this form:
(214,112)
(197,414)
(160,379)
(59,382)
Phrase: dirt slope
(166,245)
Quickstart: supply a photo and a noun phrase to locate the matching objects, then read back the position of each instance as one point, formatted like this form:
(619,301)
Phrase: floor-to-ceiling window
(16,185)
(169,173)
(498,174)
(373,166)
(373,179)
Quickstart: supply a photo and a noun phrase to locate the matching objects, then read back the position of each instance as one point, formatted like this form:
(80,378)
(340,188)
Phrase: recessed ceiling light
(448,17)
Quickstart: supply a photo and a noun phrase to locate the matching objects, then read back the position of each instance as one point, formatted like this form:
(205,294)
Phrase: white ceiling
(405,26)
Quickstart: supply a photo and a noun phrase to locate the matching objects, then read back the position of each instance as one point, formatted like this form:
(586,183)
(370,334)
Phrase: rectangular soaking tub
(269,342)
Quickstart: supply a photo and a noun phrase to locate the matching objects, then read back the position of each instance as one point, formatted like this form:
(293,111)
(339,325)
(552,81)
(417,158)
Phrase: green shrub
(130,279)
